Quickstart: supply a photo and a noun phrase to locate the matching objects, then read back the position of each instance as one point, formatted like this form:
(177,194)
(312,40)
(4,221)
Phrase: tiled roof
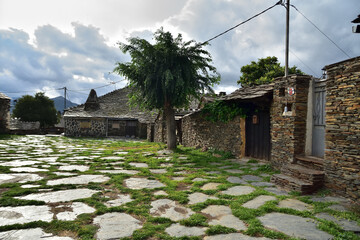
(3,96)
(113,105)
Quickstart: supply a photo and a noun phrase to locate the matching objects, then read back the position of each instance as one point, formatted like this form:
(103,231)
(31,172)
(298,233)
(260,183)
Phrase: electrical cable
(232,28)
(303,63)
(320,31)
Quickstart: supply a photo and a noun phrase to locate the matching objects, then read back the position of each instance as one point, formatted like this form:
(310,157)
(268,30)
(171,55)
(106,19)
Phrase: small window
(281,92)
(115,125)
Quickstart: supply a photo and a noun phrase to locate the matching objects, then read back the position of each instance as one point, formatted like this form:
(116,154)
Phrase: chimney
(92,102)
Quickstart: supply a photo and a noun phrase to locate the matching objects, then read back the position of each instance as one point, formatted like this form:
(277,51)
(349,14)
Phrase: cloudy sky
(46,45)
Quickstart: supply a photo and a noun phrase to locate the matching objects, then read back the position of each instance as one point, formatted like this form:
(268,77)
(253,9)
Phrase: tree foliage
(39,108)
(167,74)
(219,111)
(263,71)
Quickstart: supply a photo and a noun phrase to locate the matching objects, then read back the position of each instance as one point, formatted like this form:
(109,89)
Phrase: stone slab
(239,190)
(139,165)
(276,191)
(19,177)
(199,198)
(235,171)
(24,214)
(158,171)
(120,171)
(210,186)
(347,225)
(258,201)
(116,225)
(234,236)
(198,179)
(295,226)
(141,183)
(159,193)
(236,180)
(81,179)
(30,234)
(122,199)
(28,169)
(177,230)
(112,158)
(252,178)
(60,196)
(77,208)
(79,168)
(229,221)
(217,211)
(170,209)
(19,163)
(295,204)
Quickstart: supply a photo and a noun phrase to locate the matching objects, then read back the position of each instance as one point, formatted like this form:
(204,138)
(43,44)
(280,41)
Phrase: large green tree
(39,108)
(167,74)
(263,71)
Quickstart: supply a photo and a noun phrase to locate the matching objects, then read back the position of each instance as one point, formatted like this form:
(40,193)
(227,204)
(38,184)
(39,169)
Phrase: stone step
(304,173)
(294,184)
(310,162)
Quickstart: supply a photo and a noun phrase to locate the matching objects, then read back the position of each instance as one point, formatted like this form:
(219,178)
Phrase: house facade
(307,128)
(107,115)
(4,113)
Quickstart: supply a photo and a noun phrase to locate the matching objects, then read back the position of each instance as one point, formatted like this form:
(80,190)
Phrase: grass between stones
(210,167)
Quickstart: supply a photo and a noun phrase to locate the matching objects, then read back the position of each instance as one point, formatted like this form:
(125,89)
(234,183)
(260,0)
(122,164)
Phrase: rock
(236,180)
(19,177)
(236,171)
(116,225)
(210,186)
(199,179)
(19,163)
(229,221)
(347,225)
(216,211)
(122,199)
(120,171)
(170,209)
(177,230)
(199,197)
(141,183)
(30,234)
(258,201)
(277,191)
(295,204)
(295,226)
(161,192)
(158,171)
(251,178)
(82,179)
(239,190)
(24,214)
(77,209)
(138,165)
(60,196)
(79,168)
(234,236)
(28,169)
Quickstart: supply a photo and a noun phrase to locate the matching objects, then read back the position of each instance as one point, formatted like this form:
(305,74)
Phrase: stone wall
(160,129)
(4,115)
(342,138)
(197,132)
(19,125)
(95,127)
(288,130)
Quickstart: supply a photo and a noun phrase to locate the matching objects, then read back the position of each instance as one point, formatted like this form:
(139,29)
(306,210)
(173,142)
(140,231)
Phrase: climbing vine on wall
(219,111)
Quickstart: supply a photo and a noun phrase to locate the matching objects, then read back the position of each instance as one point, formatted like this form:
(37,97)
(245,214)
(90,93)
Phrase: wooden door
(258,135)
(318,135)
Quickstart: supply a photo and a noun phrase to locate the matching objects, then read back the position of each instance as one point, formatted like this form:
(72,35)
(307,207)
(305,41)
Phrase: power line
(321,31)
(304,63)
(232,28)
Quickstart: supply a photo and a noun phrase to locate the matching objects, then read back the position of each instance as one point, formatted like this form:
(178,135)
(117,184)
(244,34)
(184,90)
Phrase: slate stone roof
(249,93)
(3,96)
(112,105)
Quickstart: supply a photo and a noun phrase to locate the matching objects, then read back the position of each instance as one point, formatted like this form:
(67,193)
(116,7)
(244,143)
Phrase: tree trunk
(170,126)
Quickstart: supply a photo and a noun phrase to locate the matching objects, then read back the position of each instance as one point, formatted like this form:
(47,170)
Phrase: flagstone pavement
(56,174)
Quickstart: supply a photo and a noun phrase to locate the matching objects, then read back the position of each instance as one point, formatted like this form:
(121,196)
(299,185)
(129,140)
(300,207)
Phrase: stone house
(307,128)
(4,113)
(107,115)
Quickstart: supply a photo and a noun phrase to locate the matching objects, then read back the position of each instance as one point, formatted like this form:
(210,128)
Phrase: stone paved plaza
(54,187)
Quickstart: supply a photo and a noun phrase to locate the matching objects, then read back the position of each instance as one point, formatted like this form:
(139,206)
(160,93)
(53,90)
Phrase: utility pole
(287,38)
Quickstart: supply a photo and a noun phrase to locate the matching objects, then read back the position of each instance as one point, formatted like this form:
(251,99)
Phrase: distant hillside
(58,102)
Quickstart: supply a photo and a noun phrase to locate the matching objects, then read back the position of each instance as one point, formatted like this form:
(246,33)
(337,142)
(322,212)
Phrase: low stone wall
(96,127)
(197,132)
(16,124)
(342,151)
(288,131)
